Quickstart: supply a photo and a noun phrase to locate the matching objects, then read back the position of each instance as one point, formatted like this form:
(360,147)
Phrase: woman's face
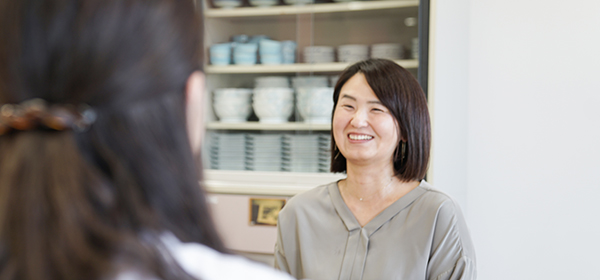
(363,129)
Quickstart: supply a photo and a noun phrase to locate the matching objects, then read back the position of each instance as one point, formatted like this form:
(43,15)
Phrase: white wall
(532,161)
(448,96)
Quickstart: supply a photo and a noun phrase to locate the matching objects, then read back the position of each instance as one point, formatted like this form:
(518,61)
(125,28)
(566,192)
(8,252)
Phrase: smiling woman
(384,221)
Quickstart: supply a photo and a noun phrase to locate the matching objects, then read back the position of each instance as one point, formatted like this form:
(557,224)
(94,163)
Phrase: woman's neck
(374,183)
(368,190)
(371,182)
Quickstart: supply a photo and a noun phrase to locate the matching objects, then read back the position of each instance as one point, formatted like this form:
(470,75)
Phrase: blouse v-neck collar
(372,226)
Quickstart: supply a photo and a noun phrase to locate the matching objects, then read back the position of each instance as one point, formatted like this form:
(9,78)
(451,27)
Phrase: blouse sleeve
(452,253)
(280,258)
(280,261)
(464,269)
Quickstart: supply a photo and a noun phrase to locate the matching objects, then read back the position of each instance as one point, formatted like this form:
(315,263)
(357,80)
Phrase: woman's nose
(359,119)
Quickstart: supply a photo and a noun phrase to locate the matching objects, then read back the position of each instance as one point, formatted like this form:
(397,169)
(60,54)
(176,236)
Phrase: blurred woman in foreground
(97,177)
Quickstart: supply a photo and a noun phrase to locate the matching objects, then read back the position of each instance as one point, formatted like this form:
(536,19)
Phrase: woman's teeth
(360,137)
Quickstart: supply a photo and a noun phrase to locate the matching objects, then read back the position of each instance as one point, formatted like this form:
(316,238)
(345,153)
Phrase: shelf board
(265,183)
(310,8)
(268,126)
(293,68)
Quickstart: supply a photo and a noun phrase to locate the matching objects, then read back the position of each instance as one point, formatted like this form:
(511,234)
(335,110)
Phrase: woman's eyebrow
(370,101)
(348,96)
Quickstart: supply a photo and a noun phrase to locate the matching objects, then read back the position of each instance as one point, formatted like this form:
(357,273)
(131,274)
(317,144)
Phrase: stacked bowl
(232,104)
(353,53)
(288,52)
(387,51)
(263,3)
(298,2)
(319,54)
(240,38)
(270,52)
(315,104)
(220,54)
(273,104)
(245,54)
(255,39)
(227,4)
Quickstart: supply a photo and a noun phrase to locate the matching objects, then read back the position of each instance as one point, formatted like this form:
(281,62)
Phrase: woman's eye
(347,106)
(377,110)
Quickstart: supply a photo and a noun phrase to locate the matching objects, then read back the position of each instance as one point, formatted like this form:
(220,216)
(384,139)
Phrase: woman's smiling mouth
(359,137)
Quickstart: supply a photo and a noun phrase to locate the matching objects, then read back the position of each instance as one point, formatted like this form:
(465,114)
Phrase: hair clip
(36,114)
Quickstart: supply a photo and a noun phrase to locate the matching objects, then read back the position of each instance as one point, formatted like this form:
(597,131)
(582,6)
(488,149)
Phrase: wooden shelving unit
(290,126)
(293,68)
(354,6)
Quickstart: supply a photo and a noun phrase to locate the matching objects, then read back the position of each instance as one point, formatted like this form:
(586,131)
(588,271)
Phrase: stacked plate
(304,153)
(319,54)
(387,51)
(414,53)
(227,151)
(263,152)
(353,53)
(324,152)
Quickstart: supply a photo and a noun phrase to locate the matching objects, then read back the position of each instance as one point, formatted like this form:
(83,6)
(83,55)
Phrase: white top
(204,263)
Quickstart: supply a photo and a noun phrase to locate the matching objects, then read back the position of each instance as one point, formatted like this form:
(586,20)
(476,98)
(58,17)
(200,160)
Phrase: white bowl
(298,2)
(313,50)
(273,105)
(387,51)
(333,80)
(232,104)
(352,58)
(315,104)
(263,3)
(353,49)
(386,46)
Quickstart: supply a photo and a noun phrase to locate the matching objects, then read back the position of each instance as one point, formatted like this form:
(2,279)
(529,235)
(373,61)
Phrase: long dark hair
(82,205)
(400,92)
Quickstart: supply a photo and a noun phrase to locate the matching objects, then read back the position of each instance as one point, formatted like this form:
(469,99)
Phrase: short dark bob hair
(399,91)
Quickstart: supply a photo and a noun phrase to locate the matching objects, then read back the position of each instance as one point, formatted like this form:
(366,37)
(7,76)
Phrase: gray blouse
(423,235)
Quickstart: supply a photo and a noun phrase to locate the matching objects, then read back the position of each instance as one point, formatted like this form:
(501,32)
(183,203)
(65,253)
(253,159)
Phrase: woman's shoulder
(205,263)
(436,197)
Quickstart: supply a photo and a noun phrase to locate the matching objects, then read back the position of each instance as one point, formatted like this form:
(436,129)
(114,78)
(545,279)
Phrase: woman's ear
(194,93)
